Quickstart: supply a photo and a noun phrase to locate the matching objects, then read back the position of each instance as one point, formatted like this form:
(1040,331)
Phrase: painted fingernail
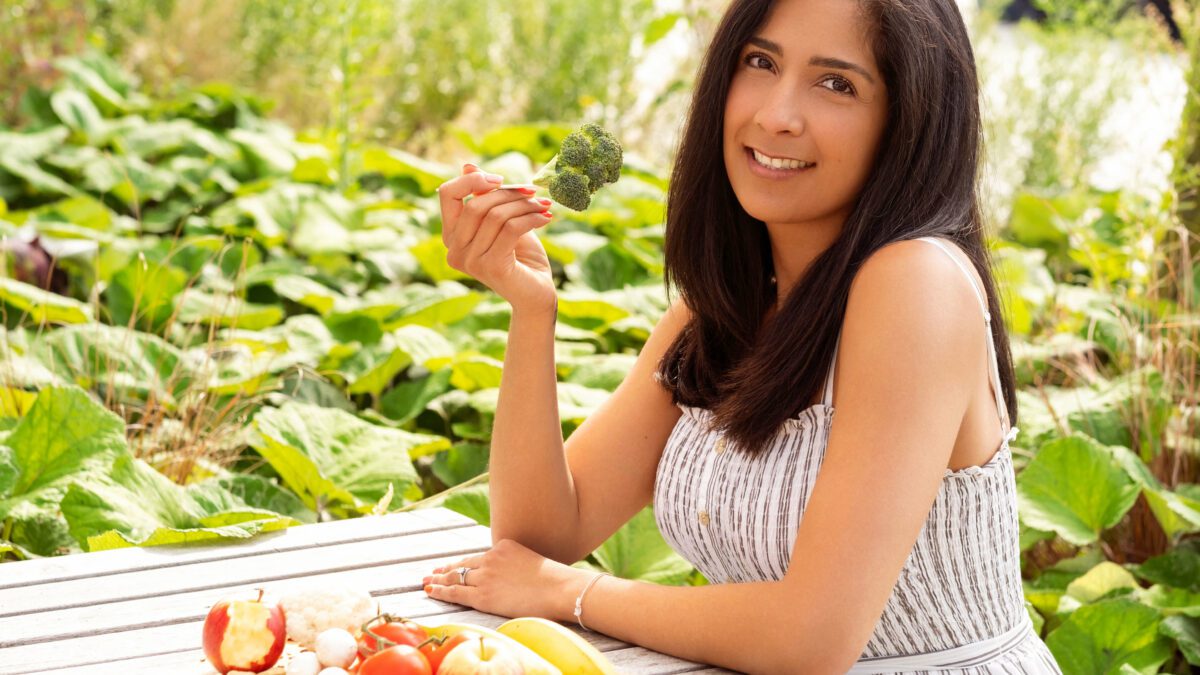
(547,214)
(527,190)
(428,588)
(544,202)
(494,178)
(426,580)
(469,165)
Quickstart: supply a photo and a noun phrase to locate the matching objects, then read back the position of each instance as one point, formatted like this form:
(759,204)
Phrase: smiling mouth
(779,163)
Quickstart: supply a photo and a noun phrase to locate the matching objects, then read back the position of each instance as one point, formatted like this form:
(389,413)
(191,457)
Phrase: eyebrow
(824,61)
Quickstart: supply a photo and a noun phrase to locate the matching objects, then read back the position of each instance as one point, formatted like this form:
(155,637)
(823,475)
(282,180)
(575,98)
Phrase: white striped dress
(735,518)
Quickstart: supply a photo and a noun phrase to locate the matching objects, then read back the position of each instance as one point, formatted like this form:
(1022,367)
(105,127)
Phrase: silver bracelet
(579,600)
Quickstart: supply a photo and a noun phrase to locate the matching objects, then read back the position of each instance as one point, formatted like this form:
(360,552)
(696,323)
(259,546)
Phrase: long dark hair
(755,375)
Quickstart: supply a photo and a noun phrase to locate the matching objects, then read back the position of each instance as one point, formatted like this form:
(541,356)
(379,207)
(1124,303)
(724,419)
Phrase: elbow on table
(827,650)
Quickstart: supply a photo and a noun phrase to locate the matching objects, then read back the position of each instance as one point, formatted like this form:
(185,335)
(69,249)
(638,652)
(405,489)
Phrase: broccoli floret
(588,159)
(571,188)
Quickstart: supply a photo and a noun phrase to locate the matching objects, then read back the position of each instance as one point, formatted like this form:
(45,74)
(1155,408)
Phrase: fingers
(511,216)
(511,233)
(483,207)
(452,193)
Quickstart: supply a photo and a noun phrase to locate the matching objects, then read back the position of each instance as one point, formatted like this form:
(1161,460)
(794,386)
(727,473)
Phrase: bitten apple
(244,635)
(481,656)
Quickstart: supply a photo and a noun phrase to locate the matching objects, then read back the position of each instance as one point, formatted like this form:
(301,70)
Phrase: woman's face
(807,97)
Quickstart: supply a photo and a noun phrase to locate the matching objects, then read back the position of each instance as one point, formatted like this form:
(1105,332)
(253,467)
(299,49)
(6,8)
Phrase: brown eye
(756,60)
(838,85)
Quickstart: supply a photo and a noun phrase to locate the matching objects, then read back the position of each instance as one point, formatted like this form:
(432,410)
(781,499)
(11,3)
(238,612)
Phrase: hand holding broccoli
(589,159)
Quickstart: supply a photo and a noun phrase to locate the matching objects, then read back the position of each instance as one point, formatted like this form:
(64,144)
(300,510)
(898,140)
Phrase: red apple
(486,656)
(244,635)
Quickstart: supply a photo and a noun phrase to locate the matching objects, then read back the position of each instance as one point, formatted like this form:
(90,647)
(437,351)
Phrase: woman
(824,233)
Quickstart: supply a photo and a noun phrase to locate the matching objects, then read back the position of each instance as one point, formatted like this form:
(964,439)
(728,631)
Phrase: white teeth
(778,163)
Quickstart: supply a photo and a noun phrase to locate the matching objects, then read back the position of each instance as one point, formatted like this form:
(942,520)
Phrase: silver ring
(462,575)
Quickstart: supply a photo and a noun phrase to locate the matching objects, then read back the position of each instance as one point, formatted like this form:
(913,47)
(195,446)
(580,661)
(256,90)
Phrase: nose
(781,112)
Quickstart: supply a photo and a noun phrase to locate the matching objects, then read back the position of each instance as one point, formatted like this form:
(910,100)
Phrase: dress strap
(993,363)
(827,398)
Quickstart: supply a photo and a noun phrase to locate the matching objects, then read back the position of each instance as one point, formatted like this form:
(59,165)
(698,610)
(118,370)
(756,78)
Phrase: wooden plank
(184,641)
(190,660)
(397,587)
(272,567)
(90,565)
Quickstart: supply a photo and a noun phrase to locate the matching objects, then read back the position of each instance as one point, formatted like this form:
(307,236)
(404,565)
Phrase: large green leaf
(1075,488)
(638,551)
(43,306)
(134,364)
(433,306)
(227,310)
(327,456)
(66,436)
(307,292)
(135,505)
(461,463)
(372,369)
(145,293)
(1098,639)
(1178,567)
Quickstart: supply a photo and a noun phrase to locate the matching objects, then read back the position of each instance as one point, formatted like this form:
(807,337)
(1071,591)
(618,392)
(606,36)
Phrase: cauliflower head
(310,611)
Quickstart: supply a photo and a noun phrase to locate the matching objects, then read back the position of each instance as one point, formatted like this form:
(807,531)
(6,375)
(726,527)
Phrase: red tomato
(400,632)
(435,652)
(398,660)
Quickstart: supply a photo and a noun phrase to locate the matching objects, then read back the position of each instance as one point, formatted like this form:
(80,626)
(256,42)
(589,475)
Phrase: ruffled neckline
(813,414)
(820,412)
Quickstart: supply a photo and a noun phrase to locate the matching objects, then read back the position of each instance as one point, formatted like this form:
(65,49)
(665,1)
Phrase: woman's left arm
(913,346)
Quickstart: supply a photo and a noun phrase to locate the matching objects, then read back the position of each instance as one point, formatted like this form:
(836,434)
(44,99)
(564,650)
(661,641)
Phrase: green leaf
(65,437)
(473,503)
(461,463)
(254,491)
(65,434)
(431,256)
(77,111)
(227,311)
(135,365)
(1035,223)
(589,311)
(43,306)
(408,399)
(444,304)
(426,176)
(135,505)
(372,369)
(328,456)
(472,372)
(1185,630)
(1100,581)
(1172,601)
(1178,567)
(659,27)
(1100,638)
(1074,487)
(1176,513)
(145,292)
(307,292)
(638,551)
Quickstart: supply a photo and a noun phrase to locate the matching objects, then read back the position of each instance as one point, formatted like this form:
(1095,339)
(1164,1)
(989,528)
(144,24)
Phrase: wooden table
(141,610)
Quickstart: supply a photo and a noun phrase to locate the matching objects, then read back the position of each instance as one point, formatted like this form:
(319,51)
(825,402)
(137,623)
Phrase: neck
(794,246)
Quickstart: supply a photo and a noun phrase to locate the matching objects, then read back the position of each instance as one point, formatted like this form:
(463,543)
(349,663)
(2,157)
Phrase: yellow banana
(530,660)
(558,644)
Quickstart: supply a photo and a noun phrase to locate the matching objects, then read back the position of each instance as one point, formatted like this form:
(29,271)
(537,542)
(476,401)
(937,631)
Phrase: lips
(778,162)
(766,166)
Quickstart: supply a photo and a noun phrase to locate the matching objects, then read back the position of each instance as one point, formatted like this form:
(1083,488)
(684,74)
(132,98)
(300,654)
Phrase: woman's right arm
(553,499)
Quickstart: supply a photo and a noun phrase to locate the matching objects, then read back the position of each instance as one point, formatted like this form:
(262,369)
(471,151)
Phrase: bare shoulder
(910,294)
